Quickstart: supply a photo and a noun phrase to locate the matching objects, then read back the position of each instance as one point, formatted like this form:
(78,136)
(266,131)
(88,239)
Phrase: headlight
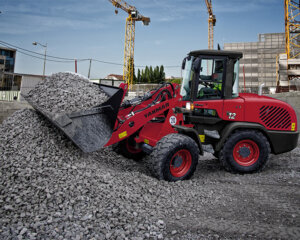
(189,106)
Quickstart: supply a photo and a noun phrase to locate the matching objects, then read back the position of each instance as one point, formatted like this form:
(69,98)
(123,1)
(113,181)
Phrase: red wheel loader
(170,124)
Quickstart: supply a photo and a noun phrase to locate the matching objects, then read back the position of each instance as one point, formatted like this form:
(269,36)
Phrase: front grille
(275,117)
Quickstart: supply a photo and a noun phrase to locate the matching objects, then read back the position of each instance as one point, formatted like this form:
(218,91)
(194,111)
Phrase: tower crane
(211,23)
(133,16)
(292,28)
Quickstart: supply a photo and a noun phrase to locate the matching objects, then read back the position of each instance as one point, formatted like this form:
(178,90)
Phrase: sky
(91,29)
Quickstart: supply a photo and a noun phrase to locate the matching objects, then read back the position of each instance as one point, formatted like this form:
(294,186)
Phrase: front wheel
(128,149)
(245,152)
(174,158)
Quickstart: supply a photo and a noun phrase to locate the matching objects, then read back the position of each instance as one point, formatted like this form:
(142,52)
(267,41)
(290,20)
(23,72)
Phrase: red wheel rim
(246,152)
(131,148)
(180,163)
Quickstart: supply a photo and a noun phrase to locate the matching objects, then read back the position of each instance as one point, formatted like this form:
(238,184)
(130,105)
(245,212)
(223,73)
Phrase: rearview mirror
(183,63)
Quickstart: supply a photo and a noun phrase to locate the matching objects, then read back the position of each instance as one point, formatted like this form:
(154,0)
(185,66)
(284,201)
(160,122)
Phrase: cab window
(211,79)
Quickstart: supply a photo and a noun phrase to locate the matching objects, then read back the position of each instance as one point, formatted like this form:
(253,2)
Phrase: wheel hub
(180,163)
(177,162)
(245,152)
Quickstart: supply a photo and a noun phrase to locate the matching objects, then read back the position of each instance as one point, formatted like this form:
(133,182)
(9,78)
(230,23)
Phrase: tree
(162,73)
(156,76)
(147,74)
(151,75)
(139,76)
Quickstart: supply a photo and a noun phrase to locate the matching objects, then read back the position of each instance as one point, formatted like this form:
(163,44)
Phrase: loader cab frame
(210,75)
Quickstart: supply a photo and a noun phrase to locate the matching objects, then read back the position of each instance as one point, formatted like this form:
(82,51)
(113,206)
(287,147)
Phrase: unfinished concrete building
(259,64)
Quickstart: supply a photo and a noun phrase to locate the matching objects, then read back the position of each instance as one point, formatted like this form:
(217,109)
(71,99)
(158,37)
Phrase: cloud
(41,16)
(172,10)
(36,23)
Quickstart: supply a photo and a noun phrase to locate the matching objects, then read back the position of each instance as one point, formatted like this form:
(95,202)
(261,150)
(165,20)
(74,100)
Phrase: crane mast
(211,23)
(133,16)
(292,28)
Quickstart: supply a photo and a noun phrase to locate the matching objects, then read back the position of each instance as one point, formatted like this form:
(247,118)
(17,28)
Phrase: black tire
(174,158)
(245,152)
(127,149)
(216,154)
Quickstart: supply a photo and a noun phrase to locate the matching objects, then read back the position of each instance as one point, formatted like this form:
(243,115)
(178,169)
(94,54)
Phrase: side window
(210,79)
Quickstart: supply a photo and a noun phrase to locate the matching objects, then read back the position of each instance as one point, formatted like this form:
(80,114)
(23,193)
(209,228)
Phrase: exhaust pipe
(260,89)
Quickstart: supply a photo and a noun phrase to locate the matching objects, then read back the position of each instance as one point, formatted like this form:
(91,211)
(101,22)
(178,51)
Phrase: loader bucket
(89,129)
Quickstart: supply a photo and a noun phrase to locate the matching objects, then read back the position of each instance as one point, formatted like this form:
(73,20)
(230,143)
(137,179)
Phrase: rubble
(66,92)
(49,189)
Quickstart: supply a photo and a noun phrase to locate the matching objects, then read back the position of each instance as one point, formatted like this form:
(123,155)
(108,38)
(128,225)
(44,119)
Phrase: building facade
(258,65)
(7,59)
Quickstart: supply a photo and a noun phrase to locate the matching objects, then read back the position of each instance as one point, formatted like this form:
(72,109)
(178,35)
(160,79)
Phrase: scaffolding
(259,61)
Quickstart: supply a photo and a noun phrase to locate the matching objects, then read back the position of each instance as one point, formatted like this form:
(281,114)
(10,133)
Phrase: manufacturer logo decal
(156,110)
(173,120)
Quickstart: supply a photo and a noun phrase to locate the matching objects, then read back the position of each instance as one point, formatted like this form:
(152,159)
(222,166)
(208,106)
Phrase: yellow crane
(211,23)
(133,16)
(292,28)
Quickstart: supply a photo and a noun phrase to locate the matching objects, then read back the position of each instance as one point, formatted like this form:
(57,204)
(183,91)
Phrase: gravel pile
(66,92)
(49,189)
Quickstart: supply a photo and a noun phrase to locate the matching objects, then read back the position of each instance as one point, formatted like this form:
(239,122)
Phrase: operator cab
(210,74)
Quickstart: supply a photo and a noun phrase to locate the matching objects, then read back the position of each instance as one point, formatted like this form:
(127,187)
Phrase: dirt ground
(216,204)
(263,205)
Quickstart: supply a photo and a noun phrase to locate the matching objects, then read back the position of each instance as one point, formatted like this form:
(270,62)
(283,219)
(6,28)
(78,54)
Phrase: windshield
(187,78)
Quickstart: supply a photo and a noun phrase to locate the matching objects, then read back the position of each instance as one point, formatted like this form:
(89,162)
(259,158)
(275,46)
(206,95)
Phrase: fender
(280,141)
(190,132)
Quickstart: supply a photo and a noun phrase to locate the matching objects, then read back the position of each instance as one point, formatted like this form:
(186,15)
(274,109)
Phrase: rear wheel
(174,158)
(128,149)
(216,154)
(245,152)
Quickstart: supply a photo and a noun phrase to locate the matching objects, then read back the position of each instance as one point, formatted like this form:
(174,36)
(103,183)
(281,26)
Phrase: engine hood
(272,113)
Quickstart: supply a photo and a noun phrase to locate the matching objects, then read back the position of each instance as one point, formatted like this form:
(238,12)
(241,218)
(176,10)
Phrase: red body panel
(234,110)
(272,113)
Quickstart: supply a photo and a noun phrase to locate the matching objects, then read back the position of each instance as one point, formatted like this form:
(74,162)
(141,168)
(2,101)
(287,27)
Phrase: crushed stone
(66,92)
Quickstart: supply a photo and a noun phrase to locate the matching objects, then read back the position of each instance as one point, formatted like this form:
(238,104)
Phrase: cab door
(208,92)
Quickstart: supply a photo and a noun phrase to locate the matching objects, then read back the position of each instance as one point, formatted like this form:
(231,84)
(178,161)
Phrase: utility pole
(90,68)
(45,55)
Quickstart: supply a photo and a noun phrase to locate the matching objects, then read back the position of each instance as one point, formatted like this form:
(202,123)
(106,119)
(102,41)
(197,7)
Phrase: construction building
(260,63)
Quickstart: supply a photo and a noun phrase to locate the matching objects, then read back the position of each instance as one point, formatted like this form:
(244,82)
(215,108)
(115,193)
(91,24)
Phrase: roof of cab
(229,54)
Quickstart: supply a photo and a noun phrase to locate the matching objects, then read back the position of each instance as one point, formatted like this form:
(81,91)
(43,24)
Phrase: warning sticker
(293,127)
(123,134)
